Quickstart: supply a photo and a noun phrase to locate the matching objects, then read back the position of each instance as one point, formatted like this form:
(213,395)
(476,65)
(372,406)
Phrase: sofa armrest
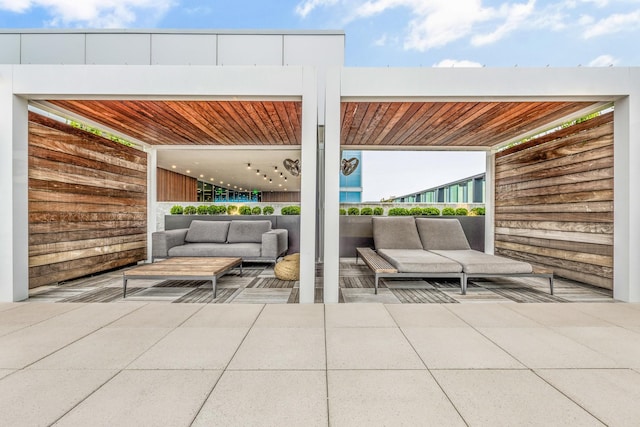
(162,241)
(275,243)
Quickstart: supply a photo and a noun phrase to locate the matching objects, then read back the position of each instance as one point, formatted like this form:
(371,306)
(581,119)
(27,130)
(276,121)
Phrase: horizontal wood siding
(176,187)
(87,203)
(554,202)
(280,196)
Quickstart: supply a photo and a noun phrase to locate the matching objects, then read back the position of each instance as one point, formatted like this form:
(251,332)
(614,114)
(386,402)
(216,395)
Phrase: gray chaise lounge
(430,248)
(446,238)
(249,240)
(397,242)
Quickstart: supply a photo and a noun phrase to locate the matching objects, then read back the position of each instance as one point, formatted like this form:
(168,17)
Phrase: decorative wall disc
(349,166)
(293,166)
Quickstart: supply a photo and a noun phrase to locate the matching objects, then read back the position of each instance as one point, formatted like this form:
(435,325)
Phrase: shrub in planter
(398,212)
(366,211)
(353,211)
(202,210)
(245,210)
(462,212)
(476,211)
(256,210)
(448,211)
(378,211)
(290,210)
(216,210)
(415,211)
(343,211)
(431,211)
(176,210)
(232,209)
(190,210)
(267,210)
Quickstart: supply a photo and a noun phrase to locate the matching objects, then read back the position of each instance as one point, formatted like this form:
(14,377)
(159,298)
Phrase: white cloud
(603,61)
(613,24)
(93,13)
(514,17)
(307,6)
(436,23)
(382,41)
(449,63)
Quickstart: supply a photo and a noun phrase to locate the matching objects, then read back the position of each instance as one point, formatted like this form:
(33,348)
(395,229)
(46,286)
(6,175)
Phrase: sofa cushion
(395,233)
(419,261)
(441,234)
(207,231)
(247,231)
(242,250)
(475,262)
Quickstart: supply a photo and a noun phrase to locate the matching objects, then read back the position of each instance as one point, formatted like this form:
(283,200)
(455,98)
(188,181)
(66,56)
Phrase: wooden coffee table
(183,268)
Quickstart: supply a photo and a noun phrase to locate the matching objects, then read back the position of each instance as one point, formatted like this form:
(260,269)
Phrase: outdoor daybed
(249,240)
(435,248)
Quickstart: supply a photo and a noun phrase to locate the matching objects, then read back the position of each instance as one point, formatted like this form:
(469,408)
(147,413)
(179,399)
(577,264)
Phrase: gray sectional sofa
(249,240)
(424,247)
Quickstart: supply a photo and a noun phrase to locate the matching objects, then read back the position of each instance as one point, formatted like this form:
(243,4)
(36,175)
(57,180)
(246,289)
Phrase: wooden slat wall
(87,203)
(281,196)
(176,187)
(554,202)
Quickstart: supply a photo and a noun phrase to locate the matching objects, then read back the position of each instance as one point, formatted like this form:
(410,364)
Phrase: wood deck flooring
(257,284)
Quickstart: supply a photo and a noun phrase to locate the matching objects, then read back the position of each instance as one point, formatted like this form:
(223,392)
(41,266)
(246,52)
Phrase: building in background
(351,185)
(466,190)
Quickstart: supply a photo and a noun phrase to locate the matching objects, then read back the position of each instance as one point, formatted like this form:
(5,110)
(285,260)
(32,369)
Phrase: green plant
(232,209)
(431,211)
(378,211)
(290,210)
(448,211)
(256,210)
(366,211)
(462,212)
(216,209)
(398,212)
(476,211)
(202,210)
(190,210)
(176,210)
(415,211)
(268,210)
(353,211)
(245,210)
(343,211)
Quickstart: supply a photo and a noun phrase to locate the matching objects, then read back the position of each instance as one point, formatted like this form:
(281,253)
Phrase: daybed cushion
(395,233)
(243,250)
(475,262)
(419,261)
(441,234)
(207,232)
(247,231)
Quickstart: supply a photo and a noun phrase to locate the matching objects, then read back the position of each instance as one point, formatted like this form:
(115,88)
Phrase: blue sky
(397,33)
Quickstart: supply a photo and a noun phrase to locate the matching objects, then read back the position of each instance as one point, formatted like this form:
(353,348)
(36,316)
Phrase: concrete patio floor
(151,363)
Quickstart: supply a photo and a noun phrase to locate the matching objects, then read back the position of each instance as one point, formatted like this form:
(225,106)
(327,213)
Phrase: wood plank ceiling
(196,122)
(369,123)
(446,124)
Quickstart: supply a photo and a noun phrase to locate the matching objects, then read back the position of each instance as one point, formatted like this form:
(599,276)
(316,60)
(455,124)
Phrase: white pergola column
(308,200)
(489,203)
(626,233)
(332,187)
(152,196)
(14,186)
